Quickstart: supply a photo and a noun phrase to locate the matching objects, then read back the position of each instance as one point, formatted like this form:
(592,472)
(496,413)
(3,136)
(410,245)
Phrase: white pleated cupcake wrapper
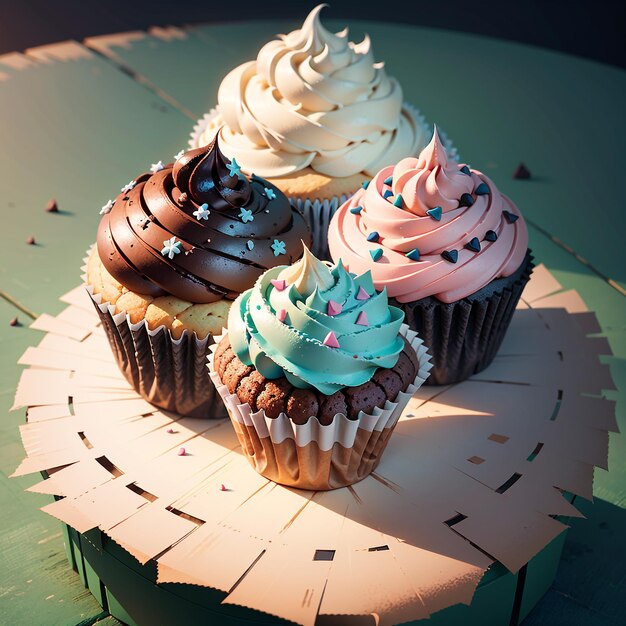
(319,211)
(341,430)
(166,371)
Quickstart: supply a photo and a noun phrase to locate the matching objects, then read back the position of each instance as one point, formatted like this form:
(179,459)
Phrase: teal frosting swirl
(295,348)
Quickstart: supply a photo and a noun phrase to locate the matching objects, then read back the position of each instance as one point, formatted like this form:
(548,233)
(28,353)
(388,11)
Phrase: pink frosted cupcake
(451,250)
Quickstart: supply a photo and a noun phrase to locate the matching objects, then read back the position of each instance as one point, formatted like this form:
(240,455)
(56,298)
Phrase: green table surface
(81,119)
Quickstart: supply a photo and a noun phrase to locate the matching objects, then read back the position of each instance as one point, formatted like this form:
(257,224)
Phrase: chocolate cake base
(280,396)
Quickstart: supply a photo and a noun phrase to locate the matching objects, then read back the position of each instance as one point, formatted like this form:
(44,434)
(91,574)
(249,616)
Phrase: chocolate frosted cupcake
(315,370)
(451,250)
(174,249)
(317,115)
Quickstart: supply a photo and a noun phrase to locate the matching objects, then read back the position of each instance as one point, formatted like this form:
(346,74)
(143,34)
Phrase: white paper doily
(473,473)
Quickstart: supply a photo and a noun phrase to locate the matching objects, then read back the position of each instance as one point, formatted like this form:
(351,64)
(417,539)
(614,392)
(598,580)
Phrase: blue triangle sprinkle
(414,255)
(376,253)
(482,189)
(373,236)
(490,235)
(387,193)
(435,213)
(466,200)
(466,170)
(356,210)
(450,255)
(398,201)
(388,180)
(365,184)
(510,217)
(473,244)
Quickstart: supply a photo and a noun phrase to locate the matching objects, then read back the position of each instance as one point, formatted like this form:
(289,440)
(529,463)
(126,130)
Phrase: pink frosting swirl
(452,233)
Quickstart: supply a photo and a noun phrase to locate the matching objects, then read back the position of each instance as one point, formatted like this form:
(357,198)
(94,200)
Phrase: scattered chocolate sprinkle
(521,172)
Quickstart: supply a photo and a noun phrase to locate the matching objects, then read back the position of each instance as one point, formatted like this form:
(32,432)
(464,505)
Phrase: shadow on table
(591,573)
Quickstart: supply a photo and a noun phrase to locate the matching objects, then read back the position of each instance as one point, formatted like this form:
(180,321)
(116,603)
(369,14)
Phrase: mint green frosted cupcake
(315,371)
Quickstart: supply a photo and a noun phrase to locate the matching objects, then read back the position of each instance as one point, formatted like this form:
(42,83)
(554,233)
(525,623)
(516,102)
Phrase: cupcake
(314,370)
(451,250)
(317,116)
(174,249)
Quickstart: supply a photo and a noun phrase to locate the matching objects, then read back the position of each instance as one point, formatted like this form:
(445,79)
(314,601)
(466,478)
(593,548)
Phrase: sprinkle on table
(31,241)
(521,172)
(14,321)
(182,452)
(52,206)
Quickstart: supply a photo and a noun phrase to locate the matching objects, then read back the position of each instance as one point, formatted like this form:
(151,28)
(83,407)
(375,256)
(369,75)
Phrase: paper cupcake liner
(463,337)
(169,373)
(311,455)
(319,211)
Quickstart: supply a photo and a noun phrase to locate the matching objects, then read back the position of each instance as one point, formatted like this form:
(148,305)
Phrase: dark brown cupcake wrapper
(463,337)
(169,373)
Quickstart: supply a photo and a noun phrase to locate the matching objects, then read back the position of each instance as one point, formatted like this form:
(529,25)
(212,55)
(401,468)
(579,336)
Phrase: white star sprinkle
(107,207)
(202,213)
(171,248)
(178,155)
(157,167)
(128,186)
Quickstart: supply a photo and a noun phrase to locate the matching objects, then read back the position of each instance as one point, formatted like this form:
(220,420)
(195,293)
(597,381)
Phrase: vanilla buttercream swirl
(436,228)
(313,98)
(282,326)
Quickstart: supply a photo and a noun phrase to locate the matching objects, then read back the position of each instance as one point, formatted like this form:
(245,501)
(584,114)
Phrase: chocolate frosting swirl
(198,229)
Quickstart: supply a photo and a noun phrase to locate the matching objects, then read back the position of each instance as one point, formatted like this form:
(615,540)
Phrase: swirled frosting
(317,325)
(198,229)
(430,227)
(315,99)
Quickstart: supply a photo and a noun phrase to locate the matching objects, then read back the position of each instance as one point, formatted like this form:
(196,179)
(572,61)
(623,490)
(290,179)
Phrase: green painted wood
(78,130)
(37,584)
(498,100)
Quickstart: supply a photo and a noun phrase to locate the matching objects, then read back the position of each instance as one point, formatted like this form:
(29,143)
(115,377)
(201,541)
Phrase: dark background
(594,29)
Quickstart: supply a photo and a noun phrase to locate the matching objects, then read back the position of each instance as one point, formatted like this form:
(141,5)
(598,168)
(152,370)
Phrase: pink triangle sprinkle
(278,284)
(222,488)
(282,314)
(170,431)
(362,294)
(362,319)
(182,452)
(331,340)
(334,308)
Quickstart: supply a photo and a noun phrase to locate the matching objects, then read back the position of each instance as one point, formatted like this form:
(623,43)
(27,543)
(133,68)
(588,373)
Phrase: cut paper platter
(475,474)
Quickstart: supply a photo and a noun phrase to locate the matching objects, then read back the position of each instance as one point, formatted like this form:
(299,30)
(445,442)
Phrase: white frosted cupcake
(317,116)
